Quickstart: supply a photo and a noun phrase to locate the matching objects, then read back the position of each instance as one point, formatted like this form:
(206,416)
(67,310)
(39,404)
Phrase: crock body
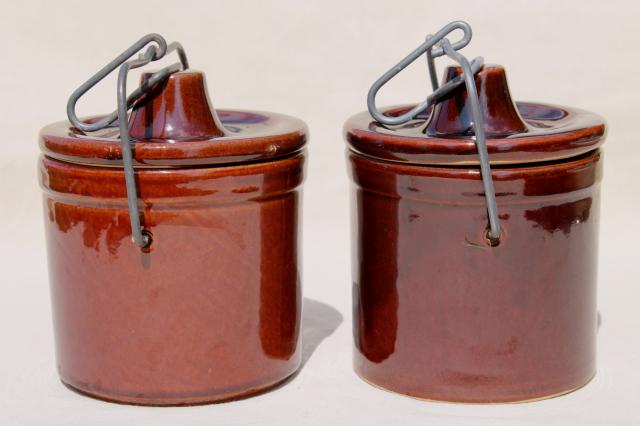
(209,312)
(441,314)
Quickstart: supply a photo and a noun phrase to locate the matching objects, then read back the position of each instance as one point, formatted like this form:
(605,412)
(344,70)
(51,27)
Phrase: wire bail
(435,46)
(124,103)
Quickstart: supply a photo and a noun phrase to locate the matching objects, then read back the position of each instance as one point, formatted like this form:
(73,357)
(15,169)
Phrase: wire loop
(153,52)
(435,46)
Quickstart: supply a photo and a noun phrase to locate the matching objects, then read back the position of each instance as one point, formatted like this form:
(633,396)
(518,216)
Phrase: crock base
(180,401)
(471,401)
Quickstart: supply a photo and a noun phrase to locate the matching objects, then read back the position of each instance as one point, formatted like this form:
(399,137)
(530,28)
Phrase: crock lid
(175,125)
(520,132)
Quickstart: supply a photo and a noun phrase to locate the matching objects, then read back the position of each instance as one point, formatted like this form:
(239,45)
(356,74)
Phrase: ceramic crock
(209,311)
(441,311)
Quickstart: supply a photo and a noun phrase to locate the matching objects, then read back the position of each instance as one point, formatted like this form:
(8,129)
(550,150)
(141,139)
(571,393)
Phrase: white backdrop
(316,59)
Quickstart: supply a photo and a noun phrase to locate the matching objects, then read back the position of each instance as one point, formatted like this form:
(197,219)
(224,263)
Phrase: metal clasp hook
(153,53)
(432,50)
(435,46)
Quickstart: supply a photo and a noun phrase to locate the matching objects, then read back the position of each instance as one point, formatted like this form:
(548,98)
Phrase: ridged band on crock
(228,184)
(543,180)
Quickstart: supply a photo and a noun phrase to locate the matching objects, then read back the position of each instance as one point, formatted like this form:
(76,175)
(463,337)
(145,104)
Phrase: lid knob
(452,116)
(178,109)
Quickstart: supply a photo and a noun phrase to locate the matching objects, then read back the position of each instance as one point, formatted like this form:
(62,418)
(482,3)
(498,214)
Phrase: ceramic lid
(520,132)
(175,125)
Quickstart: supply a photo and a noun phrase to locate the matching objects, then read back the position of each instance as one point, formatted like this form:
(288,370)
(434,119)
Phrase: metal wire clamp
(152,53)
(435,46)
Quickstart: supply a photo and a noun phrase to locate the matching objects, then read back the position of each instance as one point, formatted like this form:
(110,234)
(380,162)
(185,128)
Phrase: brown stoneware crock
(440,311)
(210,311)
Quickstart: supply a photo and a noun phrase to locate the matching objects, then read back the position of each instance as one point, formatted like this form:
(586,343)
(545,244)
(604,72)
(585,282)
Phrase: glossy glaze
(438,312)
(452,116)
(210,312)
(177,109)
(550,132)
(177,127)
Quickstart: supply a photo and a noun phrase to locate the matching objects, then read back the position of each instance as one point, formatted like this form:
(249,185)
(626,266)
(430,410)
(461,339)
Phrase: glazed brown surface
(176,126)
(210,312)
(452,116)
(178,109)
(439,311)
(520,132)
(439,314)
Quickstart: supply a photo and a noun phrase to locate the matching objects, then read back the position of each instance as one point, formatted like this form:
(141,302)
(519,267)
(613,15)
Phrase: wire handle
(152,53)
(435,46)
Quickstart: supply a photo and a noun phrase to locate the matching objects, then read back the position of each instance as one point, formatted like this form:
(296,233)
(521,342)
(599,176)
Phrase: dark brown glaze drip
(280,291)
(375,300)
(561,217)
(177,109)
(452,116)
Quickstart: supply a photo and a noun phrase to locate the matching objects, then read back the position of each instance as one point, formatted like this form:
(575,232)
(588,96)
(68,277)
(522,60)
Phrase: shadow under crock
(319,321)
